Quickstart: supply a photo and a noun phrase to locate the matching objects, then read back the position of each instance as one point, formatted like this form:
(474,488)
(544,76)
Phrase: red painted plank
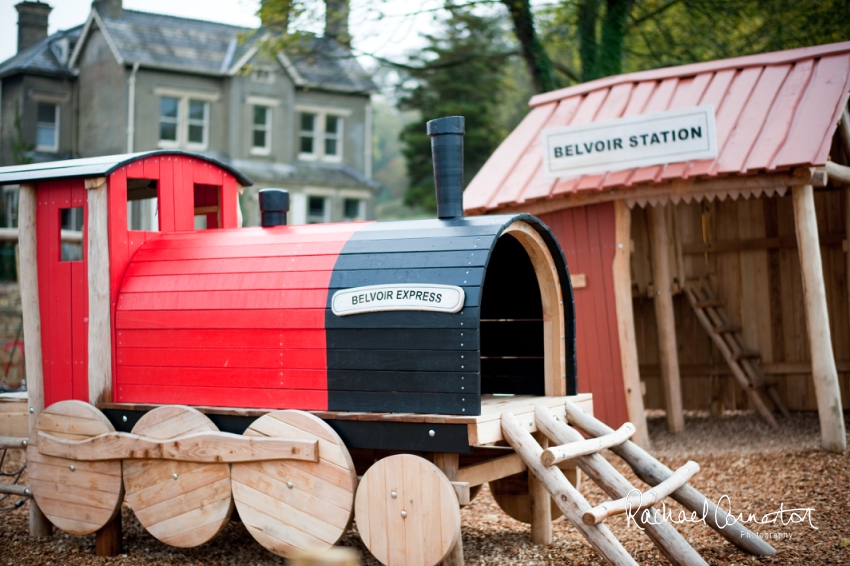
(119,255)
(184,207)
(216,252)
(487,182)
(323,263)
(229,196)
(227,281)
(46,246)
(233,338)
(242,237)
(225,397)
(778,122)
(151,165)
(79,301)
(816,116)
(166,193)
(285,318)
(135,170)
(205,173)
(223,358)
(224,300)
(242,378)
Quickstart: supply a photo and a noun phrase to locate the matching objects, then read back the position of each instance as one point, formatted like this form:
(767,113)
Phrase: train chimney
(274,204)
(447,153)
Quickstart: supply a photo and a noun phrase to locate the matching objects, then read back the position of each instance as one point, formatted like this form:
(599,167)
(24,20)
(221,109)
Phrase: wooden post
(665,318)
(541,502)
(824,372)
(626,322)
(28,242)
(448,464)
(100,330)
(107,541)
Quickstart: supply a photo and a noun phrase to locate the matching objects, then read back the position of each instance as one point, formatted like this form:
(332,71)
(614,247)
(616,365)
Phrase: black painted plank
(462,276)
(403,360)
(412,437)
(516,338)
(376,261)
(402,339)
(430,244)
(465,319)
(434,382)
(405,402)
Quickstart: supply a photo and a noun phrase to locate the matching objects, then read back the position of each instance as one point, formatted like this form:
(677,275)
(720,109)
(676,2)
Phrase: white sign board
(404,297)
(625,143)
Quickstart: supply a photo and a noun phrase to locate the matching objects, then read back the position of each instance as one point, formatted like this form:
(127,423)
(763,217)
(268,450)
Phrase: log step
(557,454)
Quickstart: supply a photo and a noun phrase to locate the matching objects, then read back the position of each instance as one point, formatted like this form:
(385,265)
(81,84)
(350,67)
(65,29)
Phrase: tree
(459,73)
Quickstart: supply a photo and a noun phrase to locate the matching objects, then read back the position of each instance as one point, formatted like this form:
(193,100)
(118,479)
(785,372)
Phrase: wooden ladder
(743,361)
(571,445)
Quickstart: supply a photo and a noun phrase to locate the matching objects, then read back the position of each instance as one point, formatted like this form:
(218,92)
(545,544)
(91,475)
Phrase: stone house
(126,81)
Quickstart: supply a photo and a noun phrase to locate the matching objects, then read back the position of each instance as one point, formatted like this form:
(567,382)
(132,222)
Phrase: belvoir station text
(613,144)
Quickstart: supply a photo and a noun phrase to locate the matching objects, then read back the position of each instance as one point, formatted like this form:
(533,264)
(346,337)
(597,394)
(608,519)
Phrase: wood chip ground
(739,456)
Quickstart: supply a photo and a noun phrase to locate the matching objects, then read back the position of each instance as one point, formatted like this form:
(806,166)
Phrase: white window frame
(269,104)
(362,196)
(48,148)
(327,194)
(183,121)
(319,132)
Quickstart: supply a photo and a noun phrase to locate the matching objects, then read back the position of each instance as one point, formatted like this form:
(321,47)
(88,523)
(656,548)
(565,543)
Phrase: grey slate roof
(97,167)
(197,46)
(40,58)
(301,173)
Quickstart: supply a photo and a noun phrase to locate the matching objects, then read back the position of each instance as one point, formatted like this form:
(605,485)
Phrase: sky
(392,36)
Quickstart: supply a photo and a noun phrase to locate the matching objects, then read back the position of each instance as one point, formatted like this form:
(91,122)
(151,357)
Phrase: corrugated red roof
(773,111)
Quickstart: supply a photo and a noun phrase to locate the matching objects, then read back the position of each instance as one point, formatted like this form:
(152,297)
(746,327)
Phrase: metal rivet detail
(24,443)
(72,467)
(404,514)
(431,432)
(289,484)
(27,491)
(393,494)
(32,410)
(124,419)
(175,476)
(529,423)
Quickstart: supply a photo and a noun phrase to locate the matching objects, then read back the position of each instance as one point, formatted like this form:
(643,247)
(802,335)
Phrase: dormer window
(263,75)
(320,135)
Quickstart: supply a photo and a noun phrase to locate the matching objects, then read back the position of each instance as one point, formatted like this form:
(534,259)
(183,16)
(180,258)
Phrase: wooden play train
(183,370)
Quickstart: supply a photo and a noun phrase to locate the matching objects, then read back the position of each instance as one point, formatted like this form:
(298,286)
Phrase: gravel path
(740,457)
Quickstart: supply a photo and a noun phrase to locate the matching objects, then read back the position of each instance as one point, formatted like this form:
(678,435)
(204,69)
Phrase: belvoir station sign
(625,143)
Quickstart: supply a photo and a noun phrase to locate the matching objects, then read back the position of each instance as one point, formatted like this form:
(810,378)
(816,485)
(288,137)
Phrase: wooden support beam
(108,540)
(665,318)
(449,464)
(568,499)
(674,547)
(653,472)
(824,372)
(838,172)
(100,317)
(15,489)
(8,442)
(491,470)
(626,322)
(28,242)
(541,506)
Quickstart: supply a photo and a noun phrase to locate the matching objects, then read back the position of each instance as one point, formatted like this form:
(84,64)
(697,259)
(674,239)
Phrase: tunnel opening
(512,329)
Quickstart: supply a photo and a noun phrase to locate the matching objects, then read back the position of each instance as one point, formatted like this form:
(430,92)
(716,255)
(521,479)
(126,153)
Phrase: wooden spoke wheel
(78,497)
(292,506)
(511,494)
(182,504)
(407,512)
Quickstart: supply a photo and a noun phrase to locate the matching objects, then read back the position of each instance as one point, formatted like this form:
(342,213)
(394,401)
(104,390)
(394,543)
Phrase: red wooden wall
(63,295)
(586,235)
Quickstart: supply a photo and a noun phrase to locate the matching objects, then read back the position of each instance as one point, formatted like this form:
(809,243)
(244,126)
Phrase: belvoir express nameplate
(402,297)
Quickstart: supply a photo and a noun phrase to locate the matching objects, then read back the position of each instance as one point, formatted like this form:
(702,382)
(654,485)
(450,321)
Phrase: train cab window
(71,236)
(207,207)
(142,205)
(512,338)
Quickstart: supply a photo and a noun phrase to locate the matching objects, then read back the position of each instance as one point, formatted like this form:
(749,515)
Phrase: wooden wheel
(78,497)
(511,494)
(293,506)
(407,512)
(182,504)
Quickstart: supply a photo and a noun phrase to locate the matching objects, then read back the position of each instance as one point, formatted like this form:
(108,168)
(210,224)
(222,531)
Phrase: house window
(317,210)
(261,130)
(71,246)
(353,210)
(263,75)
(183,122)
(47,127)
(321,136)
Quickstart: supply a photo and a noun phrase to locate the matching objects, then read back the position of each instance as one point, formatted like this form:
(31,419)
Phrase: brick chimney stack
(112,9)
(32,23)
(336,22)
